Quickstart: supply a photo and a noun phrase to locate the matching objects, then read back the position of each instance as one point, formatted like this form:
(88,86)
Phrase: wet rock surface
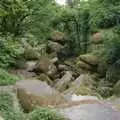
(96,111)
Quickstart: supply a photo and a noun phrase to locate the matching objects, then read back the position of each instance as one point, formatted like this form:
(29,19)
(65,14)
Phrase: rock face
(97,38)
(44,65)
(64,82)
(33,93)
(91,111)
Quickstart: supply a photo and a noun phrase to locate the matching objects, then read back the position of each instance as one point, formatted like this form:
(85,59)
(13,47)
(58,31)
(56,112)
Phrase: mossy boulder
(97,38)
(64,82)
(89,59)
(44,65)
(31,54)
(53,47)
(83,85)
(57,36)
(83,65)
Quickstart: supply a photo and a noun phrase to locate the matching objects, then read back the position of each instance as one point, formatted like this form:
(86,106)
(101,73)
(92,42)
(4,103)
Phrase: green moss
(84,90)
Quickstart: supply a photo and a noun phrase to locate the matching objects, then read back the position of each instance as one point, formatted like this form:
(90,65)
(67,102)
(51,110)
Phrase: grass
(45,114)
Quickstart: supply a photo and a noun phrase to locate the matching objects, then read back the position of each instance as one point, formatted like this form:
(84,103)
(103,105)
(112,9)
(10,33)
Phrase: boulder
(62,67)
(83,65)
(31,54)
(64,82)
(30,65)
(55,60)
(85,79)
(32,93)
(57,36)
(44,77)
(44,65)
(53,47)
(83,85)
(89,59)
(90,110)
(97,38)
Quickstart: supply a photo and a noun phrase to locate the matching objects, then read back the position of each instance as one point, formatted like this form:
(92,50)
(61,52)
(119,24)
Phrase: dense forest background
(80,27)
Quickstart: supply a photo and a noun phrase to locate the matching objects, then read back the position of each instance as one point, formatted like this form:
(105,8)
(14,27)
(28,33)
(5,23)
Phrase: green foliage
(44,114)
(104,13)
(10,50)
(6,78)
(43,13)
(7,107)
(13,14)
(75,23)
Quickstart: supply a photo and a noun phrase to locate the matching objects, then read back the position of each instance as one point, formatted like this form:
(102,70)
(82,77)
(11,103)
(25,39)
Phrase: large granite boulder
(32,93)
(44,65)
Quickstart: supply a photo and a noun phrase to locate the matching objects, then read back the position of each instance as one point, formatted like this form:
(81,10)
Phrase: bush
(44,114)
(10,50)
(105,14)
(6,78)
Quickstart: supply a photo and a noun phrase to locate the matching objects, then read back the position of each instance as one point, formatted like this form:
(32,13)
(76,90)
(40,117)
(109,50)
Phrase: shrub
(44,114)
(10,50)
(6,78)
